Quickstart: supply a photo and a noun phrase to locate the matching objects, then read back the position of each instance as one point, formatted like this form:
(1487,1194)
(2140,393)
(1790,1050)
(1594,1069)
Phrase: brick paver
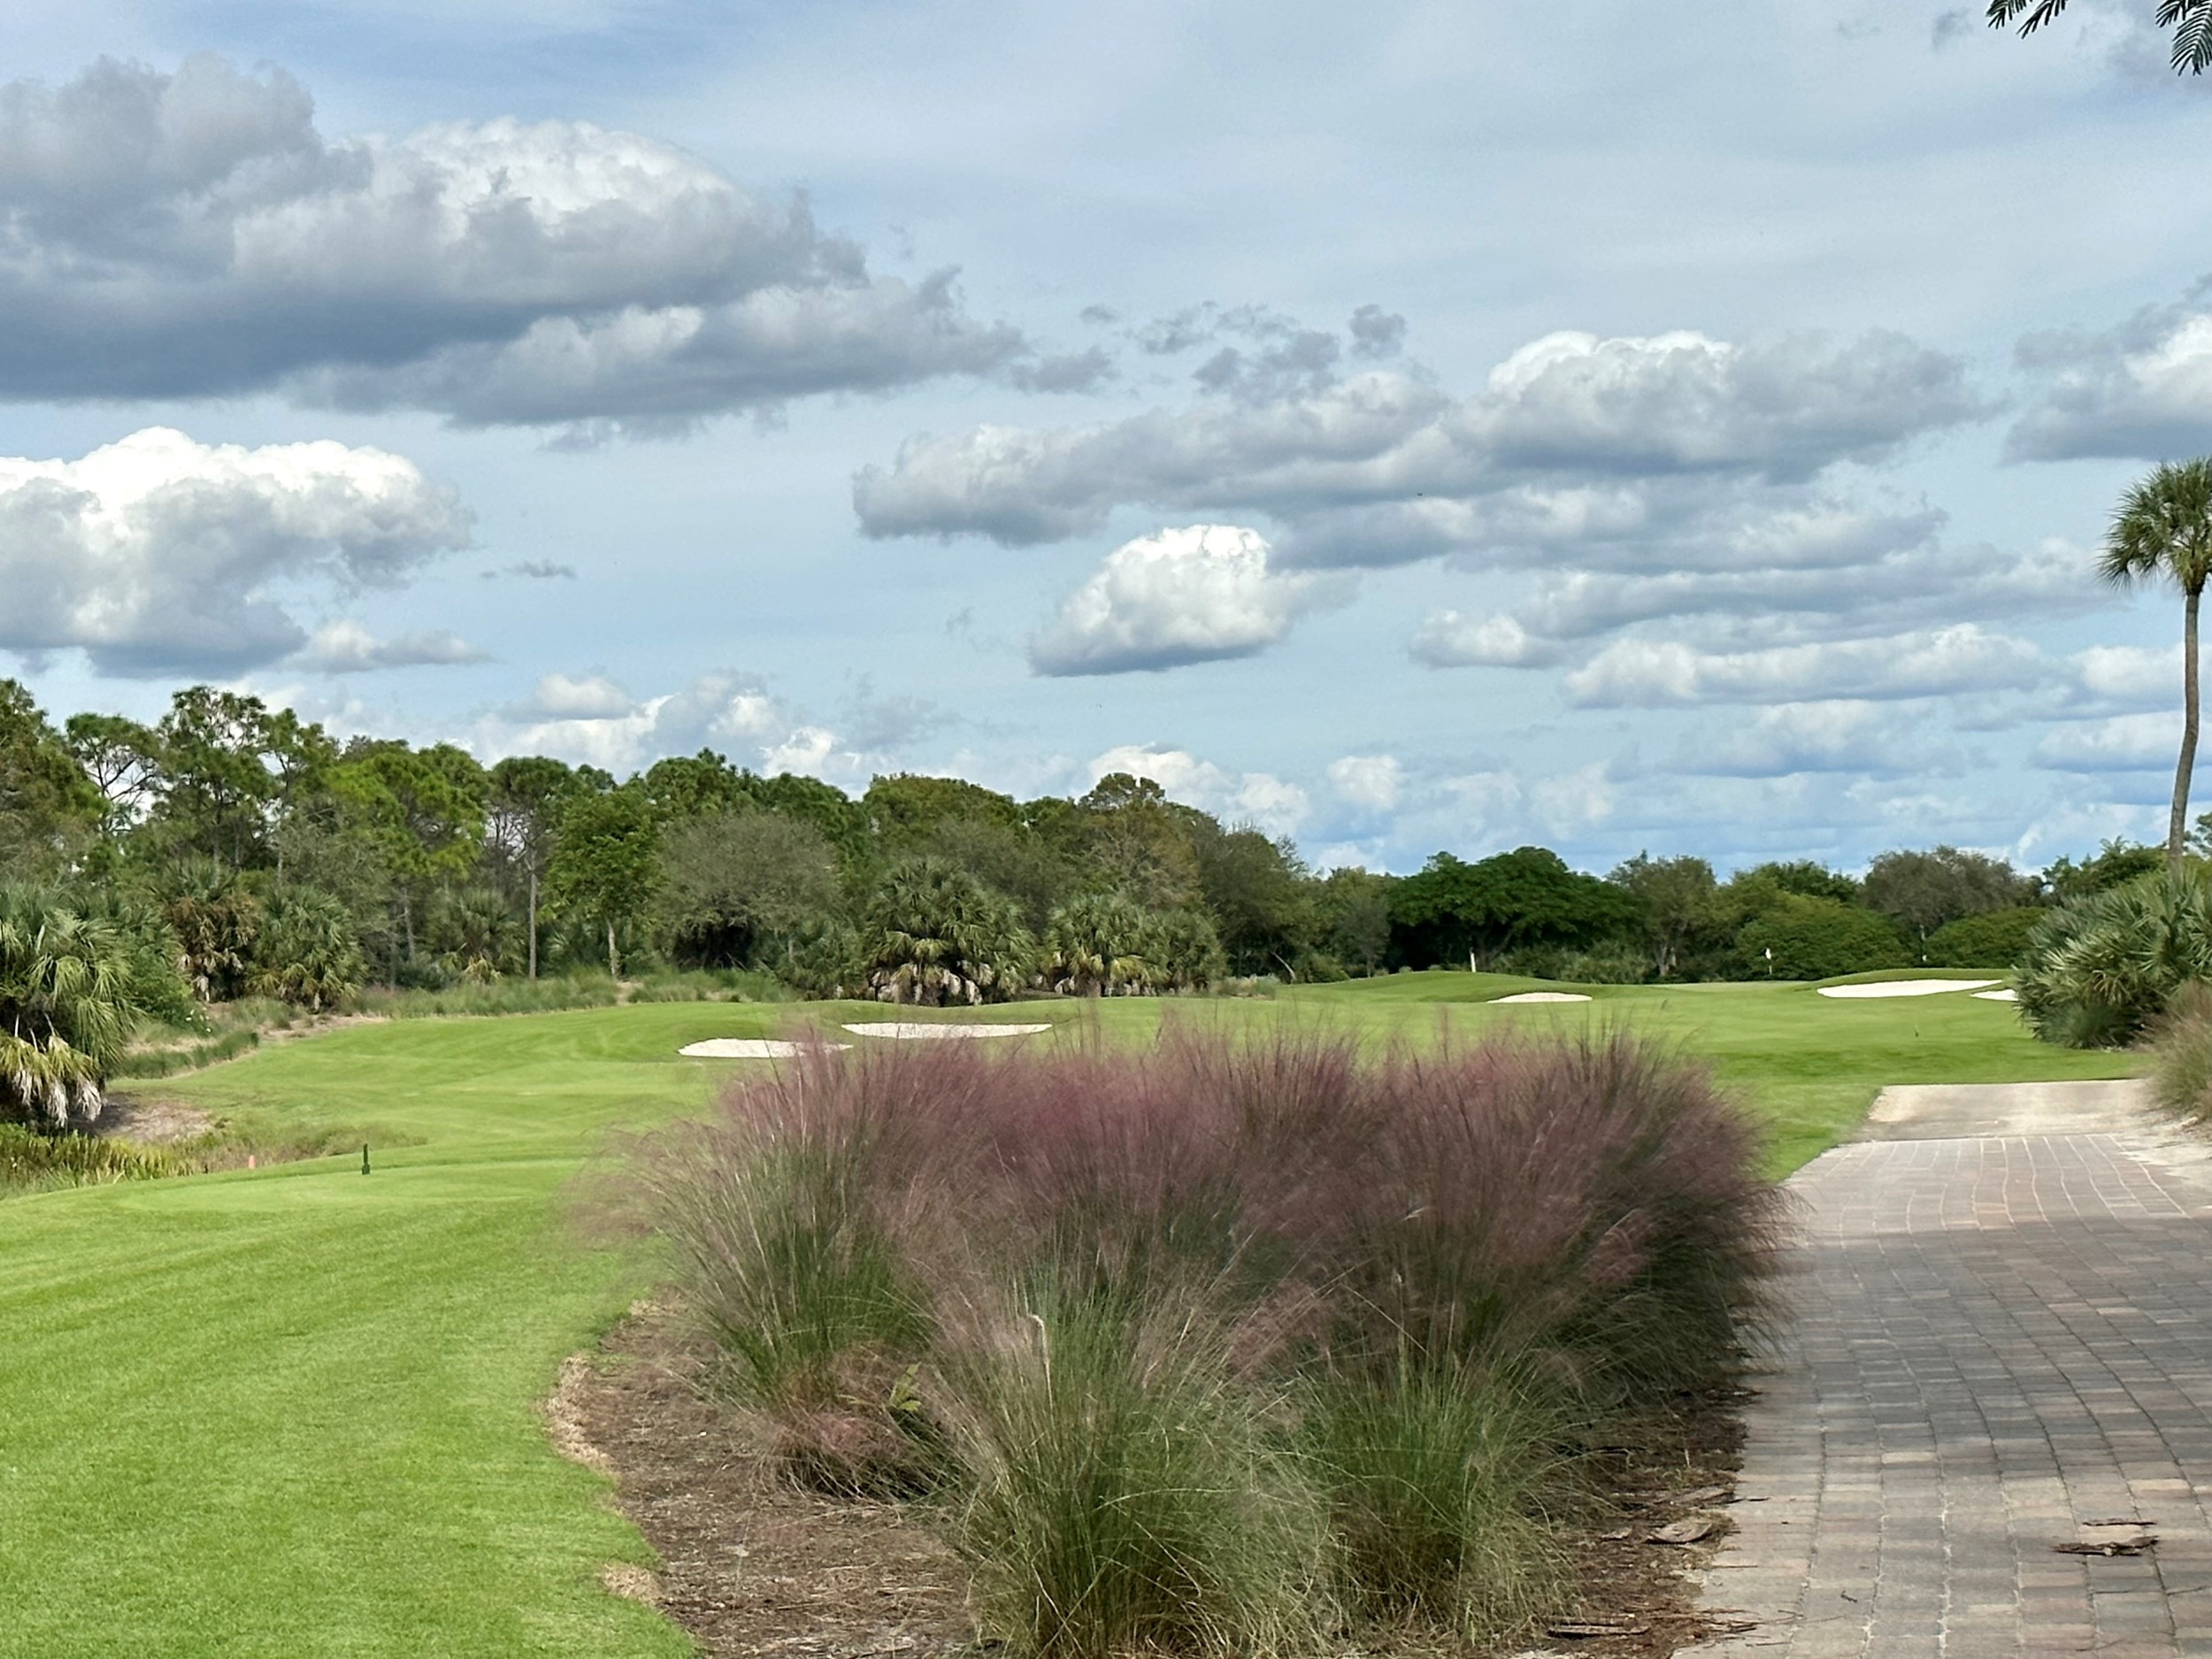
(1995,1338)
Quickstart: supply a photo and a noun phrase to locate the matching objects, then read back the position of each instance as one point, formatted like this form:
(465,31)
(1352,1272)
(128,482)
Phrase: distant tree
(215,919)
(1805,878)
(122,759)
(1921,891)
(422,810)
(526,796)
(1800,938)
(306,951)
(689,786)
(933,934)
(607,863)
(2163,531)
(1453,912)
(216,782)
(1010,858)
(48,806)
(1680,904)
(1136,840)
(2191,21)
(1102,943)
(1258,892)
(903,809)
(1989,939)
(2117,862)
(1352,908)
(732,882)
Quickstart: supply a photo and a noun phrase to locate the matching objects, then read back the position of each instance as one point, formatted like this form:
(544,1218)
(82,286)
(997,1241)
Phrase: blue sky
(1411,426)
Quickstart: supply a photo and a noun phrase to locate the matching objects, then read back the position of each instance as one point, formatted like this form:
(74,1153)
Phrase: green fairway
(289,1412)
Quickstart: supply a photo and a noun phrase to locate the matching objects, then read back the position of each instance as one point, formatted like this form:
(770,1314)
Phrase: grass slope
(289,1412)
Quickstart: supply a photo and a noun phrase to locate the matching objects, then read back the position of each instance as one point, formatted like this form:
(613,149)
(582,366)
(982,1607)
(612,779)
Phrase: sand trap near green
(914,1030)
(1902,987)
(1542,996)
(751,1049)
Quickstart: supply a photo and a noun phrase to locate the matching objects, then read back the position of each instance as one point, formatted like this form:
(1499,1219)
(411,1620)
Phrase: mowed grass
(292,1411)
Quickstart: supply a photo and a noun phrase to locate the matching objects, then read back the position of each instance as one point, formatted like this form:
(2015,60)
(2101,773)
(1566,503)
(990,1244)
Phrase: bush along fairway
(1215,1344)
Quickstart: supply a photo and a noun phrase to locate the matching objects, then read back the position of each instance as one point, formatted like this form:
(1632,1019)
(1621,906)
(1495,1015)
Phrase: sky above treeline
(1406,426)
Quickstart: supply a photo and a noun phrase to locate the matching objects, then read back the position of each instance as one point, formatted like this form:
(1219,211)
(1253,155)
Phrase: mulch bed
(751,1565)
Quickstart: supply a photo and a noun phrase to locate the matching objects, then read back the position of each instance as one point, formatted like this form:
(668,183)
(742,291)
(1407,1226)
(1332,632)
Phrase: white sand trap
(1542,996)
(913,1031)
(749,1049)
(1905,987)
(1997,997)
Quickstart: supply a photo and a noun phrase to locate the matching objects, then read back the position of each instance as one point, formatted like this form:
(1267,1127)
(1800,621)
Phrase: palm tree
(2164,528)
(2190,20)
(73,986)
(934,934)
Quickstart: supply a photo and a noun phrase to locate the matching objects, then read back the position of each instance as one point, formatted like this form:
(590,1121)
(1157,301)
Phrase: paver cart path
(2001,1336)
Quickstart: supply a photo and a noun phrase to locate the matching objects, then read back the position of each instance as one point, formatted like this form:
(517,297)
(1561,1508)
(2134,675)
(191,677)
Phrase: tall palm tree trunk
(2178,827)
(533,923)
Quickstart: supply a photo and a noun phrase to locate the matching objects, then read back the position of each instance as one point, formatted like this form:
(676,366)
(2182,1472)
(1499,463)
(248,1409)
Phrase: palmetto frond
(2190,20)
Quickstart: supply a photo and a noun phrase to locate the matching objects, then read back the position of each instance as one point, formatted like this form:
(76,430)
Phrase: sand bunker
(2007,995)
(1542,996)
(749,1049)
(1905,987)
(915,1031)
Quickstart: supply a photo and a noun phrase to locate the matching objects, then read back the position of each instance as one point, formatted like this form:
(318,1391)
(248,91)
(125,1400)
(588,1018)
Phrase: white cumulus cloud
(158,554)
(1193,595)
(1256,797)
(345,647)
(1371,782)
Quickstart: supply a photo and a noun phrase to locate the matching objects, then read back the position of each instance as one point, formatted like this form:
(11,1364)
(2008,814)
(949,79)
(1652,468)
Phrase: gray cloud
(1283,434)
(1963,659)
(534,570)
(158,554)
(2142,388)
(192,233)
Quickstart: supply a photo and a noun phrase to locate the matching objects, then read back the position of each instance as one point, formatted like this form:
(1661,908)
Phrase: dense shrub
(2100,970)
(306,952)
(1091,1279)
(1818,939)
(933,934)
(1994,939)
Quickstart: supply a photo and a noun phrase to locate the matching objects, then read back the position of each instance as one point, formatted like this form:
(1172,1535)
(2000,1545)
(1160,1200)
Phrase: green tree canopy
(1453,911)
(607,865)
(1921,891)
(734,883)
(48,806)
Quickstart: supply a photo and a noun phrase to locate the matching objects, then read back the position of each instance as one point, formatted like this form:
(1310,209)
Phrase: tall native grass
(2181,1051)
(1209,1345)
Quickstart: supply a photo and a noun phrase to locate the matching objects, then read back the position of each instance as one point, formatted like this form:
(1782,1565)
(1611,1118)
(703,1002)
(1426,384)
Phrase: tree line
(231,848)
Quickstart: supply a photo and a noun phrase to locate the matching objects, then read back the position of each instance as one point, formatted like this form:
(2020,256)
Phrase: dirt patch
(153,1122)
(751,1566)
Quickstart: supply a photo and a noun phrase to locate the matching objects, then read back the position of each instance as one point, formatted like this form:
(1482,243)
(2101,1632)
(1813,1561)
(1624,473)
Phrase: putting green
(290,1412)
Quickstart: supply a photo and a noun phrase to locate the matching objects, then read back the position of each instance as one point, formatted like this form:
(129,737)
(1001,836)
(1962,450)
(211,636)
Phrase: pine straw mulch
(752,1566)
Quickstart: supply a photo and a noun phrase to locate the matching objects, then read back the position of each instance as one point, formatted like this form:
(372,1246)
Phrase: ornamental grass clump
(1125,1484)
(1209,1345)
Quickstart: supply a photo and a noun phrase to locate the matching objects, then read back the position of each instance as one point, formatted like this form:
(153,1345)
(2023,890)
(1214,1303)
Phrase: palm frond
(2039,12)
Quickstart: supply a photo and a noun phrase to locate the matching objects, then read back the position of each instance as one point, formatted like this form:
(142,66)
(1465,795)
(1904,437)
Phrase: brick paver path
(2002,1331)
